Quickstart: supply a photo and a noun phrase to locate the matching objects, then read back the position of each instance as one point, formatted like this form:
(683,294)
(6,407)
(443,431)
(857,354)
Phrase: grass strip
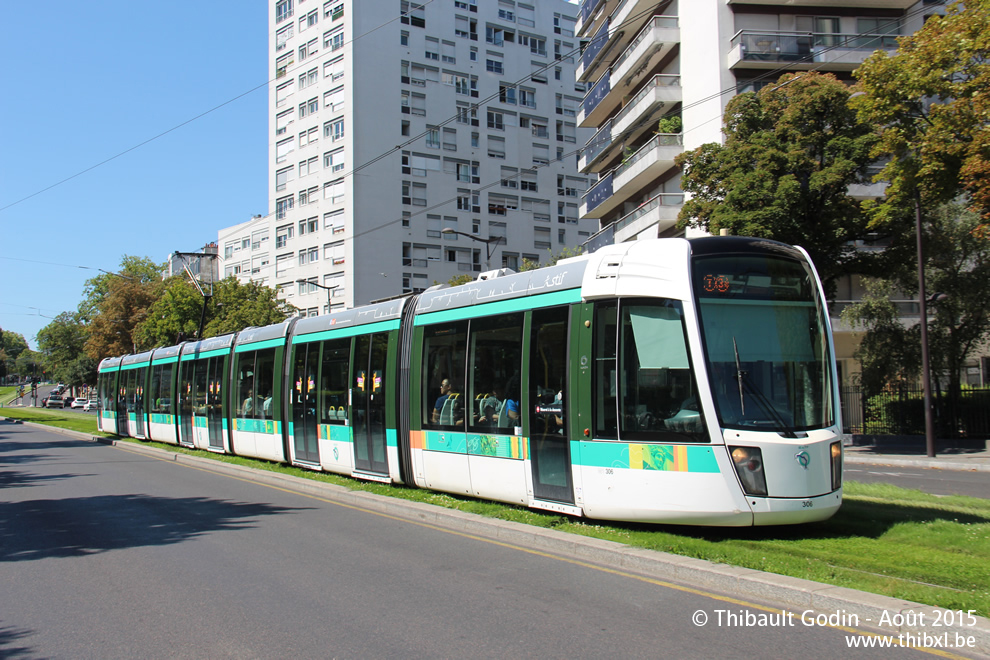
(884,540)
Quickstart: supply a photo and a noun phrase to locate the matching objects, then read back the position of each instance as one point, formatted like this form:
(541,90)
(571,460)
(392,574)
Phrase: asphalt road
(929,480)
(109,553)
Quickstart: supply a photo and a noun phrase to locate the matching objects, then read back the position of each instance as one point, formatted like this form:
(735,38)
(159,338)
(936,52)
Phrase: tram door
(214,410)
(368,403)
(549,444)
(305,432)
(121,405)
(186,403)
(139,401)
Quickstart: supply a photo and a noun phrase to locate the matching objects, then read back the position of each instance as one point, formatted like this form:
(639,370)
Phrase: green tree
(791,151)
(62,344)
(233,307)
(957,274)
(890,352)
(931,100)
(134,269)
(552,258)
(118,313)
(12,344)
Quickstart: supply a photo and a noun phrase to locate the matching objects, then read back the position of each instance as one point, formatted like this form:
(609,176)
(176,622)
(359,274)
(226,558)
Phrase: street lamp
(926,374)
(328,289)
(490,243)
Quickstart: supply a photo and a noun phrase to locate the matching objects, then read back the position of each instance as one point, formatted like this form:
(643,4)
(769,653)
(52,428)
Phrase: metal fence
(902,412)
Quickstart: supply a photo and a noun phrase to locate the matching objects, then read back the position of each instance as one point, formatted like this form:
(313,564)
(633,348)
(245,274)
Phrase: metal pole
(926,378)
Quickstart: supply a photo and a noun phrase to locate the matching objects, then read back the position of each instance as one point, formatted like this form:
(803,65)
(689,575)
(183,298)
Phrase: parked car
(54,401)
(92,404)
(78,403)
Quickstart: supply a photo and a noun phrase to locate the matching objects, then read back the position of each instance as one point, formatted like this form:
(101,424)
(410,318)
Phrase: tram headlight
(749,467)
(836,457)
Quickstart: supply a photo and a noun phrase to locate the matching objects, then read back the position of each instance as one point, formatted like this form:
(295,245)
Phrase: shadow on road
(10,646)
(76,527)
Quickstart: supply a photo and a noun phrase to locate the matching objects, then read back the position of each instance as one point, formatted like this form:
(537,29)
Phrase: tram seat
(447,412)
(341,413)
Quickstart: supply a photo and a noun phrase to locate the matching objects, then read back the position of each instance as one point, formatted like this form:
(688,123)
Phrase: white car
(92,404)
(78,403)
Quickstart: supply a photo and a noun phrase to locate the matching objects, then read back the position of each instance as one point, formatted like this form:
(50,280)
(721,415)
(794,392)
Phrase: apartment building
(410,143)
(647,60)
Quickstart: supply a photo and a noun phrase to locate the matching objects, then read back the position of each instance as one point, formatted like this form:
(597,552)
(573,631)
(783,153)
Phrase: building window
(308,49)
(334,160)
(334,129)
(283,206)
(493,63)
(412,14)
(432,49)
(283,10)
(496,120)
(309,107)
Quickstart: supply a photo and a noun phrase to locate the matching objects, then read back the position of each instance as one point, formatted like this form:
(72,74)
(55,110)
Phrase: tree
(958,273)
(233,307)
(61,344)
(791,151)
(552,259)
(135,269)
(12,344)
(890,352)
(119,311)
(931,100)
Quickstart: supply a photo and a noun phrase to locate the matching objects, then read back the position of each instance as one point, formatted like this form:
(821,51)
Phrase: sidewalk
(977,460)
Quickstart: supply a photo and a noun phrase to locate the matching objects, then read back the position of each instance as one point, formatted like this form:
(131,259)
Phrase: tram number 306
(807,504)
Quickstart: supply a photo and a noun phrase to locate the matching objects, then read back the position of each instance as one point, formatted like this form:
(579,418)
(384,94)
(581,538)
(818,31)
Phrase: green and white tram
(672,380)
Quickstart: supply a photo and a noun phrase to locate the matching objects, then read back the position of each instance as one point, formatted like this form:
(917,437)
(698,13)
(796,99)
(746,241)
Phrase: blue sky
(87,81)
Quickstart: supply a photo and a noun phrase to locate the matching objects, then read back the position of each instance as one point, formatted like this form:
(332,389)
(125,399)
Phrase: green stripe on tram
(260,345)
(502,307)
(349,331)
(206,354)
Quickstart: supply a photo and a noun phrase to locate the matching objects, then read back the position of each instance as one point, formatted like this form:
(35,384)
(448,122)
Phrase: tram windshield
(766,342)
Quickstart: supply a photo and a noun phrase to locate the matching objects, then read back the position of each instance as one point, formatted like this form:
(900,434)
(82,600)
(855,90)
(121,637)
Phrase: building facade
(647,61)
(412,143)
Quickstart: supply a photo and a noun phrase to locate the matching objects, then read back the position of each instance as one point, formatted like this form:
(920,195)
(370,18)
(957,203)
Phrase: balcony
(597,145)
(650,218)
(591,14)
(858,4)
(591,52)
(826,51)
(637,171)
(655,42)
(657,97)
(598,103)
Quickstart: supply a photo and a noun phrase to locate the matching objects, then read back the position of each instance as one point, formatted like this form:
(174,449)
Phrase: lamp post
(490,242)
(328,289)
(926,374)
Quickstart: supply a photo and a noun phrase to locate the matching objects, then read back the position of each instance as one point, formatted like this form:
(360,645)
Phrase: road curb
(933,463)
(805,598)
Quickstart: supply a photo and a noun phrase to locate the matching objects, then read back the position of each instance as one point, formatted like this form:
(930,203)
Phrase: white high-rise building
(410,143)
(647,60)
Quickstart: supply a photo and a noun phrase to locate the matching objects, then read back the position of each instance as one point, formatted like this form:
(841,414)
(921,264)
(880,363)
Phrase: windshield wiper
(740,374)
(765,404)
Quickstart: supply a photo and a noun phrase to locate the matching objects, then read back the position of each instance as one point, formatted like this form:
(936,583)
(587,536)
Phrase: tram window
(444,348)
(246,397)
(161,383)
(605,340)
(264,383)
(496,363)
(647,384)
(333,387)
(548,372)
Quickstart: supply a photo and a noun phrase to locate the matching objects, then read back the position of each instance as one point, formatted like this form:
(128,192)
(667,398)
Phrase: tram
(682,381)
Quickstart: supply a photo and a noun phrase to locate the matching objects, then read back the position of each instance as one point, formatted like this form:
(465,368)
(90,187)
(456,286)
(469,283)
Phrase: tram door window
(549,441)
(121,403)
(161,383)
(605,343)
(138,403)
(444,350)
(245,396)
(264,384)
(186,402)
(333,381)
(304,402)
(213,369)
(370,359)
